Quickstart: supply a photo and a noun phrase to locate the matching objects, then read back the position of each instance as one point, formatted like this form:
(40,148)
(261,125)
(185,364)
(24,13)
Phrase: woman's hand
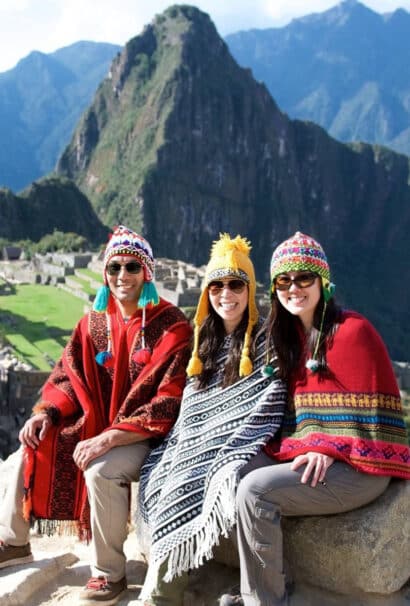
(34,429)
(317,465)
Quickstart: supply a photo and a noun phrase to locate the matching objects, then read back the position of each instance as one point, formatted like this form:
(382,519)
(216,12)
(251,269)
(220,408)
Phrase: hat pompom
(142,356)
(104,358)
(227,248)
(312,365)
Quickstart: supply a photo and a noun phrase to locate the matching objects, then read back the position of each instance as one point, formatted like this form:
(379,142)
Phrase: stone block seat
(358,558)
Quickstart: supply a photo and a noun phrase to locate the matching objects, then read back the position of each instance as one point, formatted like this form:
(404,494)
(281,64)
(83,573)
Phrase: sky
(46,25)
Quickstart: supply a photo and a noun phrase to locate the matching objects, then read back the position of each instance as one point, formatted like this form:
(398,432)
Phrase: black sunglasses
(302,280)
(216,286)
(132,268)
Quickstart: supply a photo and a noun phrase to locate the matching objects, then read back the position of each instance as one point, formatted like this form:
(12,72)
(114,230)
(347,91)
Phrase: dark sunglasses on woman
(132,267)
(216,286)
(302,280)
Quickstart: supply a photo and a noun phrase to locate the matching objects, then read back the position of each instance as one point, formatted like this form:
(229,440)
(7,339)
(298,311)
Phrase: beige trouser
(269,490)
(107,478)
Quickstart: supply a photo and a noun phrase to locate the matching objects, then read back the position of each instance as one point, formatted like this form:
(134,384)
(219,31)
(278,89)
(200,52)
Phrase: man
(117,385)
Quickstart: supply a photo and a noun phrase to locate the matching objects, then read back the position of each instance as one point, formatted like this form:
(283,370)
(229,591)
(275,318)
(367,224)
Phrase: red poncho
(354,414)
(135,394)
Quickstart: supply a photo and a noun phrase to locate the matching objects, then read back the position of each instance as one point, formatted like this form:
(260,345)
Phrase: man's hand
(35,429)
(88,450)
(316,464)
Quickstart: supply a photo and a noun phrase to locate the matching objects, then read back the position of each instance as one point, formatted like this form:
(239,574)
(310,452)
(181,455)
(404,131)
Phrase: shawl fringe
(199,547)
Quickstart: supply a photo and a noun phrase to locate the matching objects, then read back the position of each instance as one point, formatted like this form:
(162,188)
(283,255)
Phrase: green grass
(37,321)
(88,273)
(83,284)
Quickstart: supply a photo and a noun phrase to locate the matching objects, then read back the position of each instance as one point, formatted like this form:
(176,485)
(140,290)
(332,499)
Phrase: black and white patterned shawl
(188,484)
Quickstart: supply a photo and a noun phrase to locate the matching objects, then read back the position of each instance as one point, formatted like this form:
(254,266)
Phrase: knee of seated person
(94,471)
(247,492)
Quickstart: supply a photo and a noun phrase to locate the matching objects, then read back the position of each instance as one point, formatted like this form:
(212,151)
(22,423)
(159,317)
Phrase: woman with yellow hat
(343,435)
(229,411)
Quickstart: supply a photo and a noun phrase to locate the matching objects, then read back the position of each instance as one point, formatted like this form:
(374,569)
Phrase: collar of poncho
(188,484)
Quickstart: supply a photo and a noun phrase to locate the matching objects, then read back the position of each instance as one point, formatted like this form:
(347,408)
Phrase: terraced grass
(37,321)
(88,273)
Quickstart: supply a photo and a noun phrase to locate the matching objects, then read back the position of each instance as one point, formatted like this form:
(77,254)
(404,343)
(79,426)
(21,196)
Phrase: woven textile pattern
(188,485)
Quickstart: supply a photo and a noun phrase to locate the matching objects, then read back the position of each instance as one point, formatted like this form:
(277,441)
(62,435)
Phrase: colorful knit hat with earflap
(301,253)
(229,257)
(125,242)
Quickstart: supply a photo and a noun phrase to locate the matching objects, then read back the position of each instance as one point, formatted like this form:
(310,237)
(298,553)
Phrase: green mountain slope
(45,206)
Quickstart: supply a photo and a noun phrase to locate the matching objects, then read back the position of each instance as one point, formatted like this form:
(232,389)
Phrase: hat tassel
(148,295)
(101,299)
(195,366)
(245,366)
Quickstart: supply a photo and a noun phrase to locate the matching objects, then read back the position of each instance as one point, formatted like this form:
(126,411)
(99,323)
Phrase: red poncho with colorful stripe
(134,394)
(354,414)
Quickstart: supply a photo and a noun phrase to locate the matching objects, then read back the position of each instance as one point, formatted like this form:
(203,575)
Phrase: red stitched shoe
(100,589)
(10,555)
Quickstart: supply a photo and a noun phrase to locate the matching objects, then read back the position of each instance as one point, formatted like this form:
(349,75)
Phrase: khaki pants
(107,478)
(269,490)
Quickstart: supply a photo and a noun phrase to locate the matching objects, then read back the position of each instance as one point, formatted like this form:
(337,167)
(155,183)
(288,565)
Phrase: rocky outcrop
(361,552)
(356,558)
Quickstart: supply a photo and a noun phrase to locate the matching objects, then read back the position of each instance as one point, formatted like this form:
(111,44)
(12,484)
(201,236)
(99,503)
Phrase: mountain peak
(339,15)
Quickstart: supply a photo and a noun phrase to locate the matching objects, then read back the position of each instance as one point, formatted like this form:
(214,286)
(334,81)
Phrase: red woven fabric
(90,399)
(355,413)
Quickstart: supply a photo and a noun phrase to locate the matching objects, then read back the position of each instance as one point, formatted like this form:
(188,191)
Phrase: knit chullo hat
(125,242)
(229,257)
(301,253)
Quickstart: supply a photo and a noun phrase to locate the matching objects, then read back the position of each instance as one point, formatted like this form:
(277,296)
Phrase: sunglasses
(302,280)
(132,267)
(217,286)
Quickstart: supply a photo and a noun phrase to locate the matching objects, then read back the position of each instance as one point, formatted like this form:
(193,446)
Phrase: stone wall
(19,391)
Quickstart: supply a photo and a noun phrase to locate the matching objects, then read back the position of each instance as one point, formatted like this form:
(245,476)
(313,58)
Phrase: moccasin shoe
(11,555)
(100,589)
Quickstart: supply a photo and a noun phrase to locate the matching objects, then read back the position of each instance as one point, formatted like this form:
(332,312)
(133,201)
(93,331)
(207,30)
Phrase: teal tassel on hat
(101,299)
(329,291)
(148,295)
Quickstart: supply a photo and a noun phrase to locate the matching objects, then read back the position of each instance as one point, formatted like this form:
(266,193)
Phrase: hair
(211,336)
(283,331)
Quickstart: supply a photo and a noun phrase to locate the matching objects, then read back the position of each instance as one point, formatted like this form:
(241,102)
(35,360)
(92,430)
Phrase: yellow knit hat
(229,257)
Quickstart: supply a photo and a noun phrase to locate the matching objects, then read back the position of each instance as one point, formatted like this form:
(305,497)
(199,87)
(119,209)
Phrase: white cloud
(50,24)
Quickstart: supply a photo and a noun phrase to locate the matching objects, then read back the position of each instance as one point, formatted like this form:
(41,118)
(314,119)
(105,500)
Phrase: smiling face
(229,303)
(125,286)
(299,301)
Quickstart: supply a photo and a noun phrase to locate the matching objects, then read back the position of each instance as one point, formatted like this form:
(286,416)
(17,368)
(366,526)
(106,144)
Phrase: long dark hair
(211,336)
(284,335)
